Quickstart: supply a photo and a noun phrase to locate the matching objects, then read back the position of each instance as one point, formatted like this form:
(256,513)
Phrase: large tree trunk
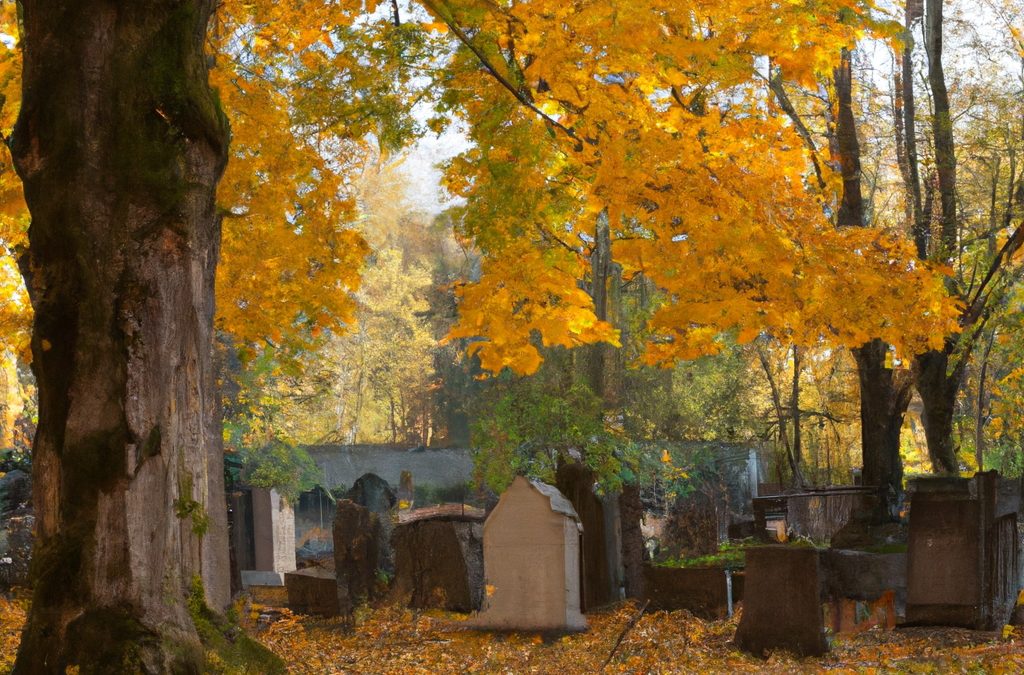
(120,143)
(884,396)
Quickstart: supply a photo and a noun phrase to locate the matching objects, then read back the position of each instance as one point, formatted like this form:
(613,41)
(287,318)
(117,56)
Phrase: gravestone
(373,493)
(692,524)
(531,561)
(962,559)
(15,492)
(439,559)
(273,538)
(313,590)
(576,482)
(782,602)
(817,514)
(357,533)
(702,591)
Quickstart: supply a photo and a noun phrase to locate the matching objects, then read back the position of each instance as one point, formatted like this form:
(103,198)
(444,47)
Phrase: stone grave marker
(864,577)
(373,493)
(357,533)
(313,590)
(703,591)
(273,537)
(782,602)
(962,558)
(439,558)
(532,561)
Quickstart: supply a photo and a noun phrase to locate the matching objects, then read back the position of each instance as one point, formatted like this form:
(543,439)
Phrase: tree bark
(942,129)
(600,272)
(938,383)
(120,143)
(851,207)
(981,410)
(938,380)
(884,396)
(795,409)
(631,510)
(921,230)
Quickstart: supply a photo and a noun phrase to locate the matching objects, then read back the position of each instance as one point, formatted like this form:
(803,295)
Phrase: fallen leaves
(395,640)
(12,618)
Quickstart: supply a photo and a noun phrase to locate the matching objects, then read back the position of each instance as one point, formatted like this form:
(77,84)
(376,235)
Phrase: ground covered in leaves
(395,640)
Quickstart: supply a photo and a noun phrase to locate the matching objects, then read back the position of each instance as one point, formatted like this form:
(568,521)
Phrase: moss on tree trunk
(120,143)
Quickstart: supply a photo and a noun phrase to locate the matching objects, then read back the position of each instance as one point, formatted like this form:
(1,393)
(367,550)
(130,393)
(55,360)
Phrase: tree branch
(519,95)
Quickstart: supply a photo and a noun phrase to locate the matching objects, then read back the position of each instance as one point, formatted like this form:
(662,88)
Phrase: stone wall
(433,467)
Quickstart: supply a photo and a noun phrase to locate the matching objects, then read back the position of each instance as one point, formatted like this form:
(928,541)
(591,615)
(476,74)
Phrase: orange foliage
(657,113)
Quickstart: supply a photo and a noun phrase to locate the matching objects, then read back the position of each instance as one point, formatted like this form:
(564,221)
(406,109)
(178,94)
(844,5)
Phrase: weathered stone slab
(373,493)
(703,591)
(356,544)
(962,560)
(782,602)
(439,563)
(273,532)
(531,561)
(261,578)
(313,590)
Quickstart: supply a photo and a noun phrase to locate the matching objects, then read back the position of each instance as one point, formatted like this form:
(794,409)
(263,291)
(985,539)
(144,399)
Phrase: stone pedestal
(962,556)
(273,523)
(313,590)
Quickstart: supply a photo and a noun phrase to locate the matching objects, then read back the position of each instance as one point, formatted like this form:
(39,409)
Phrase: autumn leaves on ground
(398,641)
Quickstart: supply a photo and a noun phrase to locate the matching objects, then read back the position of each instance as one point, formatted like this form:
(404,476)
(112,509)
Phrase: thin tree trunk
(851,208)
(630,507)
(921,222)
(942,129)
(795,407)
(780,415)
(982,405)
(938,384)
(631,510)
(938,380)
(600,271)
(120,144)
